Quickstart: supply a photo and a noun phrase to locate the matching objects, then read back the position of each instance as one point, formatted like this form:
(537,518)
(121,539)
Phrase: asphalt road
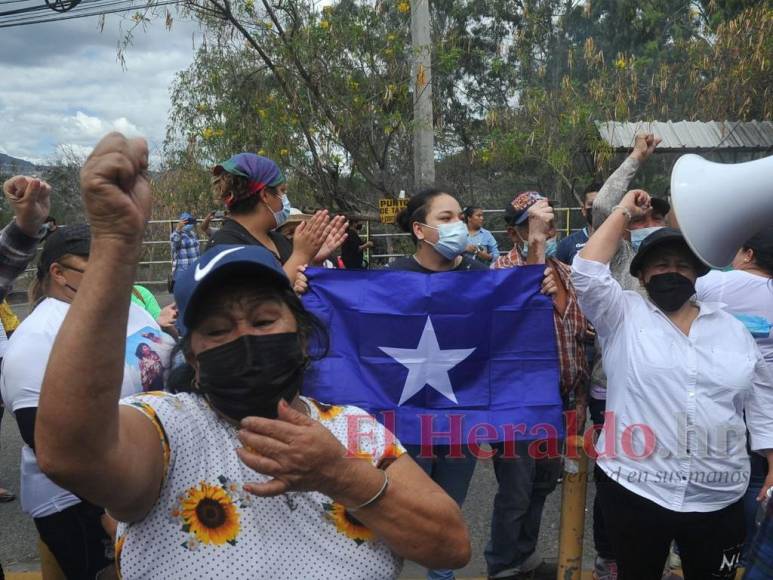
(18,538)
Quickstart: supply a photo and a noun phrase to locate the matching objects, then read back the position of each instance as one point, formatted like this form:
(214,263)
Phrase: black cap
(657,239)
(65,240)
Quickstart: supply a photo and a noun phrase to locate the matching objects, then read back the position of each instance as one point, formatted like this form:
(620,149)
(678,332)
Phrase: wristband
(625,210)
(375,498)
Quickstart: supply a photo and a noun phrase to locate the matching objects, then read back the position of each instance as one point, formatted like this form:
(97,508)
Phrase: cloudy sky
(61,84)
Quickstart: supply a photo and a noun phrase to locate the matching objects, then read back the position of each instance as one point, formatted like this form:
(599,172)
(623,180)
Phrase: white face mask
(638,236)
(280,217)
(452,240)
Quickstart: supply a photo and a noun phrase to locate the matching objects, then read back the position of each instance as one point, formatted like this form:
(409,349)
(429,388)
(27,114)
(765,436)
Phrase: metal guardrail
(156,265)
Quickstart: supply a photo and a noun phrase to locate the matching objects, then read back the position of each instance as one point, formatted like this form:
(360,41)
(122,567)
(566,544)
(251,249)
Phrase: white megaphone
(721,205)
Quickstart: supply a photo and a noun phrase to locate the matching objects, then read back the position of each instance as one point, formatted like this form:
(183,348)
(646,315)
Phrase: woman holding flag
(433,218)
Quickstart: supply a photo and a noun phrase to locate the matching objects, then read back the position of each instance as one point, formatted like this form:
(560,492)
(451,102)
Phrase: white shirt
(670,385)
(742,293)
(203,520)
(24,366)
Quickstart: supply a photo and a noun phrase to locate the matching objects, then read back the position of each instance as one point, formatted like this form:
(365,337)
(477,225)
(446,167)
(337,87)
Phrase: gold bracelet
(626,212)
(375,498)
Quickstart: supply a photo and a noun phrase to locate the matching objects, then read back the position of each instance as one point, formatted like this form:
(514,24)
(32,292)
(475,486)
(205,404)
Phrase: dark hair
(417,210)
(469,211)
(762,246)
(592,187)
(50,220)
(245,201)
(138,350)
(312,332)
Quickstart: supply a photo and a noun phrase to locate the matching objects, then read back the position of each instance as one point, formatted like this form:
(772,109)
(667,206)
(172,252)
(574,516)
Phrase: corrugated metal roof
(752,135)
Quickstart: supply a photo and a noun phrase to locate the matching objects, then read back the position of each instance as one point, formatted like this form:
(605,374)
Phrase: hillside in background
(10,164)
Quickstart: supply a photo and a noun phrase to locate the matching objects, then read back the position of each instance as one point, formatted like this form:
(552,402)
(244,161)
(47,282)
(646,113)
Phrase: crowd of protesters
(175,442)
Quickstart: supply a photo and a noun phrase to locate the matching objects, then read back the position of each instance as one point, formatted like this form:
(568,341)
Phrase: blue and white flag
(464,353)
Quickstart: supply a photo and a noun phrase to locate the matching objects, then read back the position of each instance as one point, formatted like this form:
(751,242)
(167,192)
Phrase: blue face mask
(280,217)
(551,247)
(452,241)
(638,236)
(188,228)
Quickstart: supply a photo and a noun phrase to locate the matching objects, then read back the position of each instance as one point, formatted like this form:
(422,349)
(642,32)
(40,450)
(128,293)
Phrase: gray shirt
(610,195)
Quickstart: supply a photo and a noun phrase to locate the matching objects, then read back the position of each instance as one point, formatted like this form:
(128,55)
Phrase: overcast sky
(61,84)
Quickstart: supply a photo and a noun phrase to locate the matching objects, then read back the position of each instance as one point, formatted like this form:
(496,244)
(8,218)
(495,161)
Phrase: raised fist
(30,199)
(116,189)
(644,146)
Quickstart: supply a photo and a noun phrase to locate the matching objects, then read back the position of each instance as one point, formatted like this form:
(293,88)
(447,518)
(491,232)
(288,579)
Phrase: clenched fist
(30,199)
(116,189)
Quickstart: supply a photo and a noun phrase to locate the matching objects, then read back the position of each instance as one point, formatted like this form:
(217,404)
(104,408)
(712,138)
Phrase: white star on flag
(428,365)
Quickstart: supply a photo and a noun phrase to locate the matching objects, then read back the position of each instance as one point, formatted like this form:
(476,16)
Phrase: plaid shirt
(570,328)
(185,250)
(16,251)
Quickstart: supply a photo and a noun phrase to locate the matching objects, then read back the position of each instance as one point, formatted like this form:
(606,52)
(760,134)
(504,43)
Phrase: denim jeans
(759,471)
(523,485)
(453,475)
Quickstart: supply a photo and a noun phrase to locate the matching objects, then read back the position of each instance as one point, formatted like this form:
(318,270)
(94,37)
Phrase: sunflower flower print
(208,513)
(347,524)
(327,412)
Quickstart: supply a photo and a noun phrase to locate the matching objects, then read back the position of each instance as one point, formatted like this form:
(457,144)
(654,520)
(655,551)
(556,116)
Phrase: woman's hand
(338,234)
(30,199)
(768,483)
(296,451)
(301,284)
(636,201)
(311,234)
(116,189)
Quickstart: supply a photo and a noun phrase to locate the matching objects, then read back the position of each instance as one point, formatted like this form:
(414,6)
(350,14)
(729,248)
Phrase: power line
(93,8)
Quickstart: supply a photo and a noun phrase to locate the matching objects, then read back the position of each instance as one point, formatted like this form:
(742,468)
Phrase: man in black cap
(62,264)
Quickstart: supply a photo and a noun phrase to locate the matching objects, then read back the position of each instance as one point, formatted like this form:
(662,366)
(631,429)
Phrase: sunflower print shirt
(204,525)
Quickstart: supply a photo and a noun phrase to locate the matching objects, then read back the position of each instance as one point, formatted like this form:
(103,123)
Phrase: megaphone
(721,205)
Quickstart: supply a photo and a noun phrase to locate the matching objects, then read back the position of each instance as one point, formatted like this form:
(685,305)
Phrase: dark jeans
(523,485)
(600,538)
(641,533)
(77,540)
(759,471)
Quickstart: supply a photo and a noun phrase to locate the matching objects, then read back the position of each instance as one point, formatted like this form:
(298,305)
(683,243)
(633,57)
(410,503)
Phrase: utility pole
(423,130)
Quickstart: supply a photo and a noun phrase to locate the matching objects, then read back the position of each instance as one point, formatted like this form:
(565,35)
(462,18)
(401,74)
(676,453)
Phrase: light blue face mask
(283,214)
(638,236)
(188,228)
(452,240)
(551,247)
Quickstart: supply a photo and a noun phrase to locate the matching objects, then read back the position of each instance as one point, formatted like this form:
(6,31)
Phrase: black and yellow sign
(388,209)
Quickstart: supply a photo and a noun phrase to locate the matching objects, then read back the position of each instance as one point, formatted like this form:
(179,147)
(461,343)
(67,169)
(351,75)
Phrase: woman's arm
(83,441)
(415,517)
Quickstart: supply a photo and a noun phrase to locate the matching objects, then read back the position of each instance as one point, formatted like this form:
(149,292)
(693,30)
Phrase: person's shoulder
(45,319)
(232,232)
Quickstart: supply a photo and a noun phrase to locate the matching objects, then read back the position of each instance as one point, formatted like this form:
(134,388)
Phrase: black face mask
(248,377)
(589,216)
(670,291)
